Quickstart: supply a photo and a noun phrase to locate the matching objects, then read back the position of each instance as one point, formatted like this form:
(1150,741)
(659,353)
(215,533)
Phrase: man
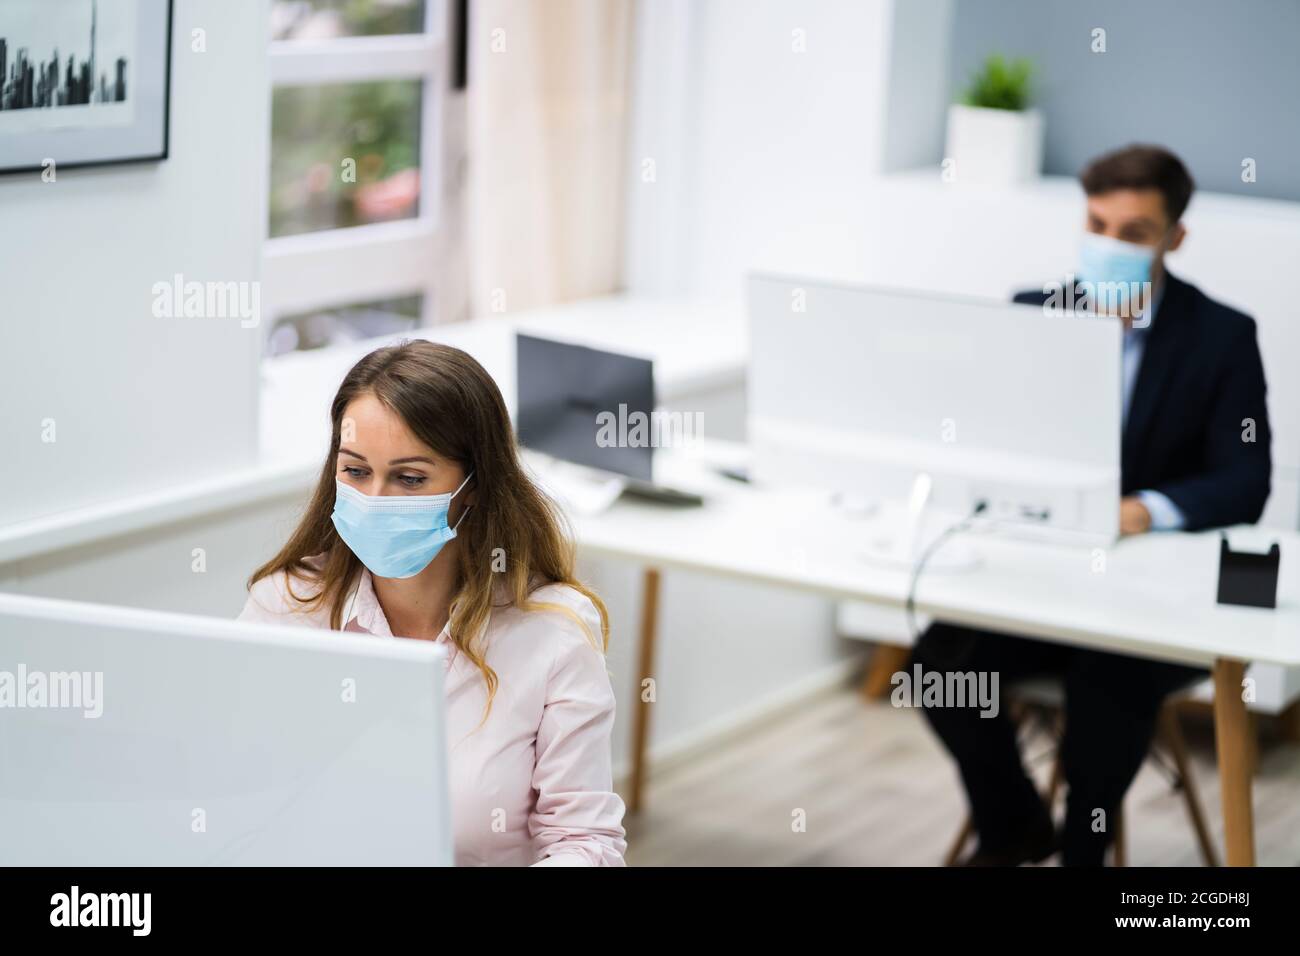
(1195,454)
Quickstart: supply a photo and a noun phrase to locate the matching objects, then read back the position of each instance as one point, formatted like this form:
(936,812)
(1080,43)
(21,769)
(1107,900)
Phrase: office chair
(1041,702)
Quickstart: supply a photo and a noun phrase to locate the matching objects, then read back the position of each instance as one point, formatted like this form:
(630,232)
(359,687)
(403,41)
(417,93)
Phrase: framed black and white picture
(83,82)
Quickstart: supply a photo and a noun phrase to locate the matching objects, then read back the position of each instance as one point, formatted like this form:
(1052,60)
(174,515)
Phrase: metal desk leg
(1232,740)
(645,669)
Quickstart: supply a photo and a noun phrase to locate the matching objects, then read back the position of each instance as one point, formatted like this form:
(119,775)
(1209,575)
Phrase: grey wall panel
(1215,81)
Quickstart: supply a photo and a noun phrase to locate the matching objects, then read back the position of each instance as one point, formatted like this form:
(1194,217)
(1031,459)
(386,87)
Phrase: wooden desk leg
(1232,740)
(886,661)
(645,669)
(1289,723)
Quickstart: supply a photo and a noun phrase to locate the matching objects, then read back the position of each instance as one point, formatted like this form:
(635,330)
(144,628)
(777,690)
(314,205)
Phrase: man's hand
(1133,516)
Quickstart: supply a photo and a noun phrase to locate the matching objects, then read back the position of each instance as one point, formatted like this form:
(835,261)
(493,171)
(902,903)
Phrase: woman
(424,525)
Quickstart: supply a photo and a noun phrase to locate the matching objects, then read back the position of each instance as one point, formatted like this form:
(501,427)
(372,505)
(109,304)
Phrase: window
(328,19)
(359,94)
(318,328)
(344,154)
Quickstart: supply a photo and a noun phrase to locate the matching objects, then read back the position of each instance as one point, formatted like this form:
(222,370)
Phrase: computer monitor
(132,737)
(562,389)
(859,390)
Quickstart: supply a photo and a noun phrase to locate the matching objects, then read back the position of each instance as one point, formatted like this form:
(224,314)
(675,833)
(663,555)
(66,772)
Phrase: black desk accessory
(1246,577)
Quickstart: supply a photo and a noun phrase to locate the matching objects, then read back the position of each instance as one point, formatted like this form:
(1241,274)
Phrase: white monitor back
(858,389)
(216,742)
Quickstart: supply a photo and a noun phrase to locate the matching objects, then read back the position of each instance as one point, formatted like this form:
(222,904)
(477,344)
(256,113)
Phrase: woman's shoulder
(565,600)
(279,597)
(556,615)
(565,595)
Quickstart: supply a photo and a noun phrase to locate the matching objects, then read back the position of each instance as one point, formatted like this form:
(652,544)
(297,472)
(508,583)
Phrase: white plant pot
(993,147)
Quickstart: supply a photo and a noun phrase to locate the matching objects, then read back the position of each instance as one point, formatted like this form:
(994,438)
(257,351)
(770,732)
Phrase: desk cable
(954,529)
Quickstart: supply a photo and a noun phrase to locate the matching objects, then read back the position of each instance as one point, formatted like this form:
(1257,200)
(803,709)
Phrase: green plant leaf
(1000,84)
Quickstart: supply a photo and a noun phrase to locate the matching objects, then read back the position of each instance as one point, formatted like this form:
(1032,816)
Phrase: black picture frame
(154,26)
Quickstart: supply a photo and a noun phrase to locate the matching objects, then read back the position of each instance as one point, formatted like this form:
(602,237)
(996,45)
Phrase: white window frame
(388,260)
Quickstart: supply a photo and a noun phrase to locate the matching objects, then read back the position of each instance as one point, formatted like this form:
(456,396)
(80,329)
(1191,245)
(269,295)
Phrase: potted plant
(994,138)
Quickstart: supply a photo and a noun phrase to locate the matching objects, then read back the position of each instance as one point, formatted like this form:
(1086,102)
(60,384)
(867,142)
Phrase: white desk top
(1156,597)
(695,347)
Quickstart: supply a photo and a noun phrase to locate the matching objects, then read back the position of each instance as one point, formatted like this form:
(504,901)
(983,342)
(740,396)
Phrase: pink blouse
(534,783)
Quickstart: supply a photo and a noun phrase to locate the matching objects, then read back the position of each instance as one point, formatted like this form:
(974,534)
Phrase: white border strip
(80,526)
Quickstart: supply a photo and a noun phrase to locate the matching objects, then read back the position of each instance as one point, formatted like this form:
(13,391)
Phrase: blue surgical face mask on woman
(394,536)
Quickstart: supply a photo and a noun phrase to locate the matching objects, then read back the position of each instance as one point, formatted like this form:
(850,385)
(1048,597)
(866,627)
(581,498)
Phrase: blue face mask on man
(1118,271)
(1103,259)
(394,536)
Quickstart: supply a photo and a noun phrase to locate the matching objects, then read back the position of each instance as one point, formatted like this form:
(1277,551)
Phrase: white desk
(695,347)
(1155,598)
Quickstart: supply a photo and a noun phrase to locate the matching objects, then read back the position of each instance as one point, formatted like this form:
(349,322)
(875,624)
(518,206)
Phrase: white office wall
(194,566)
(137,402)
(919,83)
(752,120)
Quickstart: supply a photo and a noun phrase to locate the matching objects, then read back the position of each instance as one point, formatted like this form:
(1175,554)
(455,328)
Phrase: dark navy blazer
(1199,386)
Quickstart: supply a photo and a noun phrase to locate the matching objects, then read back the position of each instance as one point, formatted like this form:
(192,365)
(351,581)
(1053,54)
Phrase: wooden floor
(875,789)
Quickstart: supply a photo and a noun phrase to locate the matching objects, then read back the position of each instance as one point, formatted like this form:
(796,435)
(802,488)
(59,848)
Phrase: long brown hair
(452,405)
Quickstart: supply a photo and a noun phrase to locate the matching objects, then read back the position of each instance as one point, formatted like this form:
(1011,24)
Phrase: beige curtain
(546,128)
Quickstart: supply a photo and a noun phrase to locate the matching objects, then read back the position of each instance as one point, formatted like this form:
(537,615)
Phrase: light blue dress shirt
(1165,515)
